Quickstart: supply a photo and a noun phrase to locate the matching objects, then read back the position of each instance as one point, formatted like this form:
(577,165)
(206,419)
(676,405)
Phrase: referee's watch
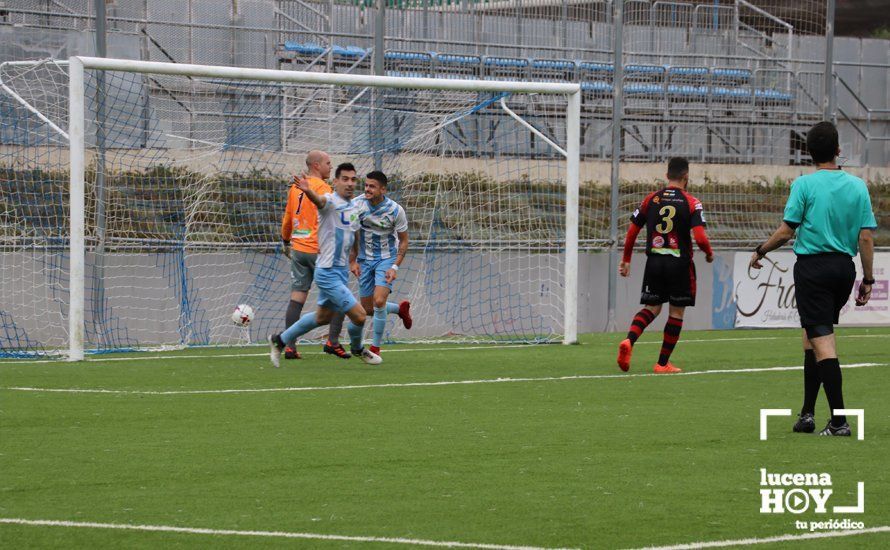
(759,251)
(868,281)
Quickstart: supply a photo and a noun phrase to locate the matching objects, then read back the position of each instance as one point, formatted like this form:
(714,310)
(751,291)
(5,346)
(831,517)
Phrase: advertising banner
(765,297)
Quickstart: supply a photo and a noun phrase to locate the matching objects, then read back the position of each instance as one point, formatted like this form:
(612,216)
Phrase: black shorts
(668,279)
(822,285)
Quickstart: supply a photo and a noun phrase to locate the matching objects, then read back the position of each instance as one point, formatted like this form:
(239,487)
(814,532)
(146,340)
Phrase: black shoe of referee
(805,424)
(842,430)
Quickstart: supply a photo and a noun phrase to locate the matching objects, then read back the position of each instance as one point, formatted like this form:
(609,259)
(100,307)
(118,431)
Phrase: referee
(831,212)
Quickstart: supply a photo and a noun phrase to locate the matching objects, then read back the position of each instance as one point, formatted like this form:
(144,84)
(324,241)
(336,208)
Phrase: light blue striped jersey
(378,237)
(337,223)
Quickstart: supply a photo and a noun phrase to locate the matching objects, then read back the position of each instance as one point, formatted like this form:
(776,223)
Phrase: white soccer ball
(243,315)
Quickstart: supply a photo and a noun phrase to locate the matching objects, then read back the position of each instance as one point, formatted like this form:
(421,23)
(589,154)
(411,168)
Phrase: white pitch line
(396,350)
(240,355)
(274,534)
(414,384)
(768,540)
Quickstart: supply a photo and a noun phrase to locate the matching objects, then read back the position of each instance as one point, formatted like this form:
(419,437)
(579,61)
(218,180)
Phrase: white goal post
(77,126)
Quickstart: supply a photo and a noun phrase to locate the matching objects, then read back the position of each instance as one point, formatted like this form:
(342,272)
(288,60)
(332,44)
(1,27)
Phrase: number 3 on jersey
(667,222)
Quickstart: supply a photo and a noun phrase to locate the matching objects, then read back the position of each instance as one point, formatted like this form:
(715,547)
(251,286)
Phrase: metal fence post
(617,108)
(376,130)
(828,98)
(98,296)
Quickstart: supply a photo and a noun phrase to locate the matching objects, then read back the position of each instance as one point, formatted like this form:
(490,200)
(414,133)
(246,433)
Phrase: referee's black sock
(292,315)
(830,373)
(811,382)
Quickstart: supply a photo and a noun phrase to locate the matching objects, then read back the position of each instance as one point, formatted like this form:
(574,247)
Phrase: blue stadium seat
(455,59)
(351,58)
(304,49)
(553,70)
(419,64)
(514,62)
(732,76)
(687,91)
(731,94)
(598,71)
(349,52)
(559,64)
(687,75)
(644,73)
(644,69)
(772,96)
(697,72)
(505,68)
(449,65)
(407,56)
(640,88)
(596,87)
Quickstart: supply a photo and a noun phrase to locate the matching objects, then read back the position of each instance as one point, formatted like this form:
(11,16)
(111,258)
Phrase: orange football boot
(665,369)
(625,350)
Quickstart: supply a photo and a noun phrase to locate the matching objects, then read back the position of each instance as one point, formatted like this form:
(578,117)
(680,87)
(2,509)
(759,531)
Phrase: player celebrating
(338,219)
(380,248)
(299,233)
(668,214)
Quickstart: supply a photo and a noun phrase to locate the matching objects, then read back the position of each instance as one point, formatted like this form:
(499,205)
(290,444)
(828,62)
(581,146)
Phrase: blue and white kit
(337,223)
(378,241)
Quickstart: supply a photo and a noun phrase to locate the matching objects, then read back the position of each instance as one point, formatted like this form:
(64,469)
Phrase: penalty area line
(294,389)
(770,540)
(268,534)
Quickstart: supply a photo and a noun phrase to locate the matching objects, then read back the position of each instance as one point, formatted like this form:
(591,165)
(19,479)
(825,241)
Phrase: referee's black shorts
(668,279)
(822,285)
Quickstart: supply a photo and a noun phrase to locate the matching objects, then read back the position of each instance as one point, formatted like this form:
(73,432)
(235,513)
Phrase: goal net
(141,213)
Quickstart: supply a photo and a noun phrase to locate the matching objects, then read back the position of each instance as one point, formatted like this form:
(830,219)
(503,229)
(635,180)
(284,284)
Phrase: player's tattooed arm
(403,247)
(392,272)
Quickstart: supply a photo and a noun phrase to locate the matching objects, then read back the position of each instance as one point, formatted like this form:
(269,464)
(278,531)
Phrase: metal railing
(557,30)
(856,123)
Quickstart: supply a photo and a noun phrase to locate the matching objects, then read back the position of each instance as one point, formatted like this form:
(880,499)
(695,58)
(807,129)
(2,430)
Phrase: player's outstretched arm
(303,185)
(866,256)
(781,236)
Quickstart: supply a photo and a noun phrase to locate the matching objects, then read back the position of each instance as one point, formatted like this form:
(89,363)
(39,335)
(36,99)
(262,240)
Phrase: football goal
(141,202)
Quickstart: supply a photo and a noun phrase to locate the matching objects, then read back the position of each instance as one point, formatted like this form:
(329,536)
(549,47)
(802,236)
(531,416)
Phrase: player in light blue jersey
(338,219)
(380,249)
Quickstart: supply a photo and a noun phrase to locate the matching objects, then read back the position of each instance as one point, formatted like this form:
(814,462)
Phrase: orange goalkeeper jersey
(300,222)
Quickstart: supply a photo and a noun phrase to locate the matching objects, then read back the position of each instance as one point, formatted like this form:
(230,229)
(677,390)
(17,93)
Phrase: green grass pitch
(544,446)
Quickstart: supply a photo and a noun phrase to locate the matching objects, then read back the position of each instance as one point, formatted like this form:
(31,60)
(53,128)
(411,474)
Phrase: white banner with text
(765,297)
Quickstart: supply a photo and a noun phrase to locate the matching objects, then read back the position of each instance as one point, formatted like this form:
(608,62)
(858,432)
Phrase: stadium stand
(760,89)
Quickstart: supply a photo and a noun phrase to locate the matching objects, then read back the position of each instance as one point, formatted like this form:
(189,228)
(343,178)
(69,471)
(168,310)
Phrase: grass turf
(626,461)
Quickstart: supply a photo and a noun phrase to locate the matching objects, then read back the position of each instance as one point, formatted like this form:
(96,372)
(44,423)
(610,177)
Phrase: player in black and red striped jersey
(669,215)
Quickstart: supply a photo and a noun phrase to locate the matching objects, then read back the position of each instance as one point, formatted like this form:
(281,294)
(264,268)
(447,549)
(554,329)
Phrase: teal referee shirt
(829,208)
